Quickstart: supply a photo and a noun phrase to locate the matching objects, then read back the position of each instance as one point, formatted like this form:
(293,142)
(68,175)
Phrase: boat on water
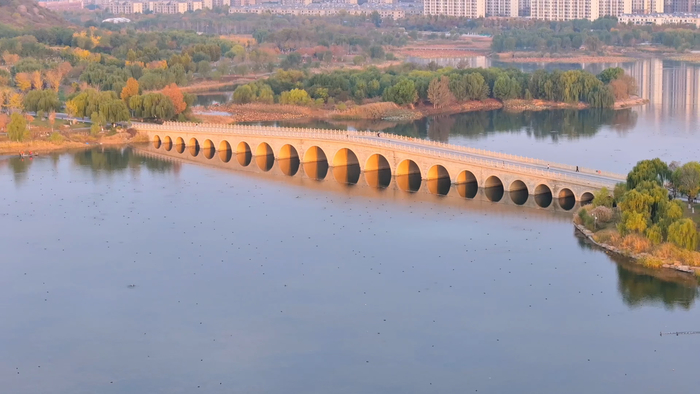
(27,154)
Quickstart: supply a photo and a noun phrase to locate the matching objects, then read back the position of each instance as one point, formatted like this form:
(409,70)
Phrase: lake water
(252,281)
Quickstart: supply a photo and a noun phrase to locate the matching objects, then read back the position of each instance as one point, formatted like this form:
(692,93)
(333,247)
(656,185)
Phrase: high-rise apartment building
(524,7)
(615,7)
(564,10)
(648,7)
(460,8)
(502,8)
(125,7)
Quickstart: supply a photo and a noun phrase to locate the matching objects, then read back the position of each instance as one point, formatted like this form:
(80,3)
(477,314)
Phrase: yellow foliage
(23,81)
(157,64)
(16,101)
(134,63)
(636,243)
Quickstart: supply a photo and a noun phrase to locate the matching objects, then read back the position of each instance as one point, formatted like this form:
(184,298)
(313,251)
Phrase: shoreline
(635,257)
(12,148)
(255,112)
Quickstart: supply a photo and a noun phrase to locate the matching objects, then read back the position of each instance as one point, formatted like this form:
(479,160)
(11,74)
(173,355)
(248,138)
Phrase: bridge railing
(394,142)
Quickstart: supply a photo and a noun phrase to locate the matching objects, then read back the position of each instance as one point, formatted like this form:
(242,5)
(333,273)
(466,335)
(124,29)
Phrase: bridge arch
(179,145)
(193,146)
(586,198)
(224,151)
(288,160)
(518,192)
(346,167)
(377,171)
(408,176)
(315,163)
(156,141)
(566,197)
(264,156)
(208,148)
(543,195)
(439,181)
(243,153)
(168,143)
(467,184)
(493,188)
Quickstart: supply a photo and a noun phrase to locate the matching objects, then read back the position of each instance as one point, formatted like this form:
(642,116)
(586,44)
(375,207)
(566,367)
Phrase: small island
(645,219)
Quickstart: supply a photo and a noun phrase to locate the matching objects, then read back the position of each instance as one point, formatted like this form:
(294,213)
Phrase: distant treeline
(408,84)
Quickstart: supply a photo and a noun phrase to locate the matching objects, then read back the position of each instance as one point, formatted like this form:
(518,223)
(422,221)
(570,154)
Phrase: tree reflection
(642,289)
(112,160)
(20,167)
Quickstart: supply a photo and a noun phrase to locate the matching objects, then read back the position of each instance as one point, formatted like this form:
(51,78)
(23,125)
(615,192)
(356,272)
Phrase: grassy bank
(70,142)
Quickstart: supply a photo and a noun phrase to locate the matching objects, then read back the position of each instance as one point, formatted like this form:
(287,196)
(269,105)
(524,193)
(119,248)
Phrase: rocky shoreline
(637,257)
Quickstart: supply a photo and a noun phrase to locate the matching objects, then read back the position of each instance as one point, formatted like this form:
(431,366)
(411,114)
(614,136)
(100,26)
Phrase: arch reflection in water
(467,185)
(518,192)
(264,157)
(225,153)
(243,154)
(167,143)
(179,145)
(315,163)
(288,160)
(208,149)
(543,196)
(408,176)
(346,167)
(193,146)
(378,171)
(493,189)
(566,199)
(439,181)
(156,142)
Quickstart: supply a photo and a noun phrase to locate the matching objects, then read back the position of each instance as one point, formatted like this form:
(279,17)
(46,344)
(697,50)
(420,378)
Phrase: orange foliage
(173,92)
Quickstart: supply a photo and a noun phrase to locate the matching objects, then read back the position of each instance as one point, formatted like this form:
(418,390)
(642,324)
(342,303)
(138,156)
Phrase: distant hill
(27,14)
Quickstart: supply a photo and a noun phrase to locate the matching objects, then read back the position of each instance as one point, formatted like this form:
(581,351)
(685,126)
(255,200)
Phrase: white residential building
(507,8)
(615,7)
(564,10)
(458,8)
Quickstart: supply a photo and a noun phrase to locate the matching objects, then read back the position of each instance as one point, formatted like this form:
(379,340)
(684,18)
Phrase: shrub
(586,219)
(636,243)
(603,213)
(56,138)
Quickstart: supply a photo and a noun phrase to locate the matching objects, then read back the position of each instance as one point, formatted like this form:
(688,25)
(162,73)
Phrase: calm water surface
(260,282)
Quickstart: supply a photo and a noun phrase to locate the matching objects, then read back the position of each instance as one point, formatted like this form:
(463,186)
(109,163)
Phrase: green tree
(686,179)
(17,128)
(402,93)
(376,52)
(610,74)
(376,18)
(684,234)
(648,170)
(243,95)
(295,97)
(42,100)
(602,198)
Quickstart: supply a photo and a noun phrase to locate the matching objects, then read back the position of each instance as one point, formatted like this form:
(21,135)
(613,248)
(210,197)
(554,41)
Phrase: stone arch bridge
(381,157)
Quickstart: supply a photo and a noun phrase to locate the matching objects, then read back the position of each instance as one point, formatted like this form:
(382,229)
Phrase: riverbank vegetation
(450,89)
(645,217)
